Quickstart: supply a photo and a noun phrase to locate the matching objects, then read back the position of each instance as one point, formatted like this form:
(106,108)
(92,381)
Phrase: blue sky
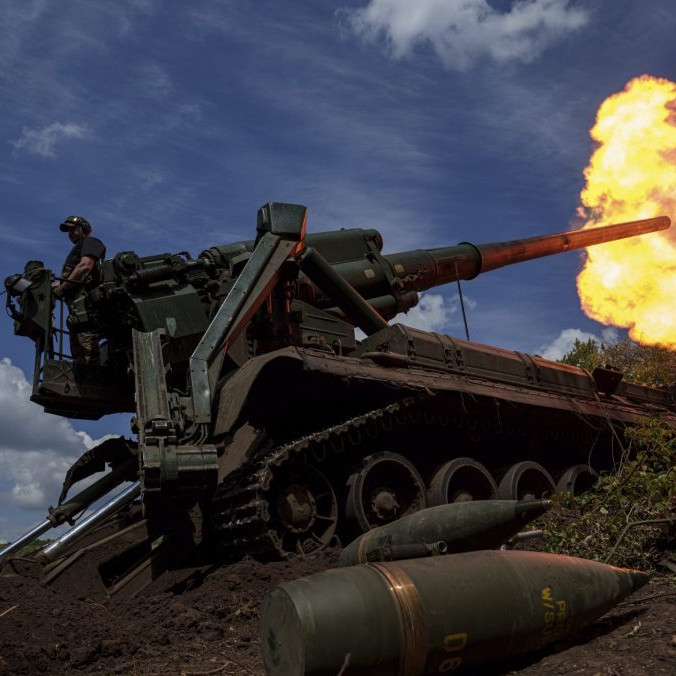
(168,123)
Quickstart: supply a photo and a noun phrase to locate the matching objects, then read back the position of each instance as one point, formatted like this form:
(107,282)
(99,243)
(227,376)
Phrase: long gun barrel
(424,269)
(339,275)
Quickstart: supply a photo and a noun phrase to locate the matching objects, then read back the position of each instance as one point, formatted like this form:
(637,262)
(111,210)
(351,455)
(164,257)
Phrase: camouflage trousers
(84,346)
(84,343)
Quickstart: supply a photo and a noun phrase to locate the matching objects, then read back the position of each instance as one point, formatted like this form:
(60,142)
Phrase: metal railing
(60,331)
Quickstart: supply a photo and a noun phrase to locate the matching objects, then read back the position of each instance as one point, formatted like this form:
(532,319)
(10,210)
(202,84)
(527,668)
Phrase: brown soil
(210,626)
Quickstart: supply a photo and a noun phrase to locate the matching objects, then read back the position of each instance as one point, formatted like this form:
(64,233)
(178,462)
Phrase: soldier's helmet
(73,222)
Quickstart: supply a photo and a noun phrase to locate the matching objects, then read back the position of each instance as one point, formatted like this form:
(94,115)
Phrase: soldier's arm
(78,273)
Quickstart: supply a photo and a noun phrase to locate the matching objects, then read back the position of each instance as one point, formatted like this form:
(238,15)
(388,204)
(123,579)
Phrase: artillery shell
(463,526)
(434,615)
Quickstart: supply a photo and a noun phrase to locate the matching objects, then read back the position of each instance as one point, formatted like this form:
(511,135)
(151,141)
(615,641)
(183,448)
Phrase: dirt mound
(209,621)
(208,624)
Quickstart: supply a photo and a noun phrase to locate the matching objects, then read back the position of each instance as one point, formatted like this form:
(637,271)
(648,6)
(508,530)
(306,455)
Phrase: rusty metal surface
(498,254)
(427,379)
(236,413)
(421,378)
(234,393)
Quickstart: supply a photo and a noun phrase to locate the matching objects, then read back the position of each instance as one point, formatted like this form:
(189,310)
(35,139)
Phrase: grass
(629,517)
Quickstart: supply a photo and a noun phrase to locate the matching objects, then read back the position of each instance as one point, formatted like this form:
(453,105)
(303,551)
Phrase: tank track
(244,507)
(242,519)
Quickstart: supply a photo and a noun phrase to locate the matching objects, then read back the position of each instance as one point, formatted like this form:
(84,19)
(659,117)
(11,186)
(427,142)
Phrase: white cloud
(42,141)
(25,425)
(434,312)
(36,448)
(610,335)
(461,31)
(8,234)
(155,81)
(148,178)
(15,20)
(563,343)
(35,477)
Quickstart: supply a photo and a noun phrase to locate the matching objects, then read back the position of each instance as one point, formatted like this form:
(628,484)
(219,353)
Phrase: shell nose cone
(531,509)
(638,579)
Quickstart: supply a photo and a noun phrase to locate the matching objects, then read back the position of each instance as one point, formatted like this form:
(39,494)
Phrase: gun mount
(263,426)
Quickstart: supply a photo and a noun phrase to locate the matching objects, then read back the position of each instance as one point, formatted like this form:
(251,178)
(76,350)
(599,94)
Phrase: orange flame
(631,175)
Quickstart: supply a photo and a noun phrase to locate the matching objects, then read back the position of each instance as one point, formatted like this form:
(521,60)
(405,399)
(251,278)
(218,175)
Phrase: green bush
(32,547)
(642,488)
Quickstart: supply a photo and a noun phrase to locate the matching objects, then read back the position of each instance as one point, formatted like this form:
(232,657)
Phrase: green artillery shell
(463,526)
(434,615)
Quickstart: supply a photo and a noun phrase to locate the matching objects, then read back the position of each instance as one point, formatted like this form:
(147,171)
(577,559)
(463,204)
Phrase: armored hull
(417,419)
(263,426)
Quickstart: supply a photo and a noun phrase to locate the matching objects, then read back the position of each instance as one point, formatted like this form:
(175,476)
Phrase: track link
(243,519)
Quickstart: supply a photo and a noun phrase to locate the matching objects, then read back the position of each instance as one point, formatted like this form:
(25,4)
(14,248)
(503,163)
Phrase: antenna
(462,302)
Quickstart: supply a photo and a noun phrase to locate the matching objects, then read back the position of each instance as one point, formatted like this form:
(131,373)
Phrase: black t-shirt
(87,246)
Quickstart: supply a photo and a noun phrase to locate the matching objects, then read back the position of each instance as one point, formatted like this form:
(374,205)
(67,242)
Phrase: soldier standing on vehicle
(80,269)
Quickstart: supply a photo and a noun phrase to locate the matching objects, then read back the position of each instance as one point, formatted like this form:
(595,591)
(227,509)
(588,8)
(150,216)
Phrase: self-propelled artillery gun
(262,425)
